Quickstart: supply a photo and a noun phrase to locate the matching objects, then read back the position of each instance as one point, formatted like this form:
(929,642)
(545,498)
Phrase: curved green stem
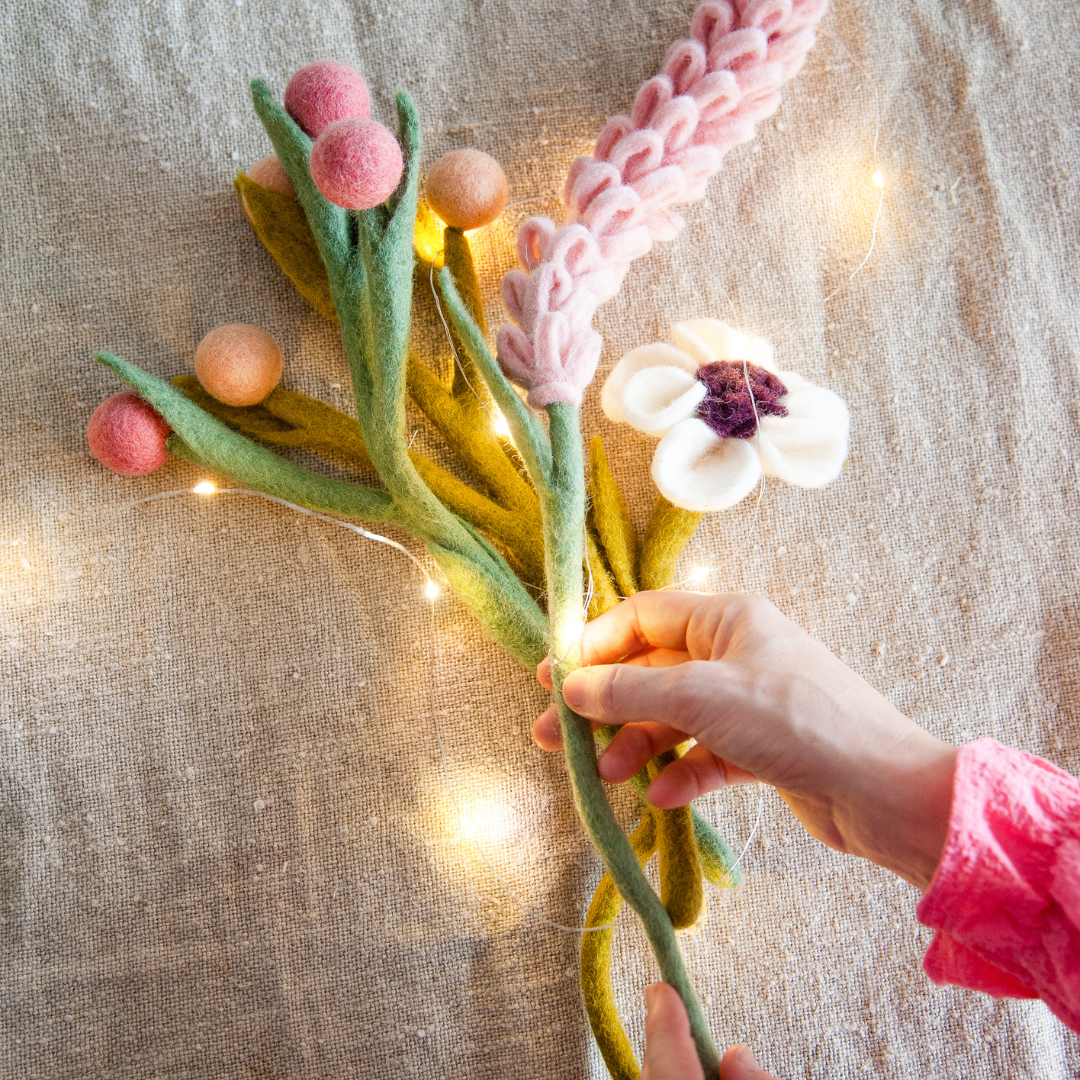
(563,502)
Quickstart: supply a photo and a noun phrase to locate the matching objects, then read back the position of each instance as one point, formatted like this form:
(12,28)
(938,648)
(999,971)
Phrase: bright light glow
(570,631)
(879,179)
(204,487)
(428,234)
(431,589)
(485,820)
(699,573)
(500,425)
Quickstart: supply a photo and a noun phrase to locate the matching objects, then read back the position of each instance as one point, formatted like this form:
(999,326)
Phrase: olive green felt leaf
(458,259)
(604,596)
(668,532)
(231,454)
(279,222)
(612,521)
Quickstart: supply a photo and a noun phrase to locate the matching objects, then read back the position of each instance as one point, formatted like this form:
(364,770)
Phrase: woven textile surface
(230,843)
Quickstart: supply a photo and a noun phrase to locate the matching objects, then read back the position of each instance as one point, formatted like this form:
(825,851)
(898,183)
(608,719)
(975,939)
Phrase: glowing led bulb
(699,573)
(500,425)
(204,487)
(431,589)
(878,178)
(485,820)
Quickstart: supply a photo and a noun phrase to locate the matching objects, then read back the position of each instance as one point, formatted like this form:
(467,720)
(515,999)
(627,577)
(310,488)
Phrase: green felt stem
(217,447)
(525,427)
(563,502)
(596,985)
(369,263)
(286,418)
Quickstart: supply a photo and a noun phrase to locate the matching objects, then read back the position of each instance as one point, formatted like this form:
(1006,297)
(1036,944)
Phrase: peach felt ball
(238,364)
(466,188)
(127,435)
(268,172)
(356,164)
(323,92)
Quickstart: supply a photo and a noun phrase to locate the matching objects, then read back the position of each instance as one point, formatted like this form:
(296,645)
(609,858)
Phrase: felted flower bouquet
(525,547)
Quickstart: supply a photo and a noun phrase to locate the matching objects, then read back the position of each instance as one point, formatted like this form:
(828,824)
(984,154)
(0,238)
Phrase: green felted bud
(596,985)
(668,532)
(279,222)
(612,521)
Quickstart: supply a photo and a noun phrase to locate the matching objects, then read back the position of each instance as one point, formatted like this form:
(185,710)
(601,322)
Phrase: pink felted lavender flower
(713,88)
(724,414)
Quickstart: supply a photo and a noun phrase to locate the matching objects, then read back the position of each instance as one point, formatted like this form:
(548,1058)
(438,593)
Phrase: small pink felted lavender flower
(724,414)
(714,87)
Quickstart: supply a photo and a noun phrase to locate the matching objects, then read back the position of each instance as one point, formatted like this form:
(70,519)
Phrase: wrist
(897,815)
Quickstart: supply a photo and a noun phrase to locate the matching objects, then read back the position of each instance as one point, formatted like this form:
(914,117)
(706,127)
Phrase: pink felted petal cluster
(713,88)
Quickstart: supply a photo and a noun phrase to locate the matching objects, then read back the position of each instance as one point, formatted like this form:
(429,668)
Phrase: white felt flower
(724,414)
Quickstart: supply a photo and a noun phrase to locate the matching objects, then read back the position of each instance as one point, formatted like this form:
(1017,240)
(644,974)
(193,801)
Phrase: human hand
(764,701)
(669,1049)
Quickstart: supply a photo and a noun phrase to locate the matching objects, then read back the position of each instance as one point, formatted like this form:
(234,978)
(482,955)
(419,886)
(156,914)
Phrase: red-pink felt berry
(356,164)
(323,92)
(127,435)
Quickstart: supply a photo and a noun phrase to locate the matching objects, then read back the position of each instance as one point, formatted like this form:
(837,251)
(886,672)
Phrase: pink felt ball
(323,92)
(356,164)
(127,435)
(268,172)
(238,364)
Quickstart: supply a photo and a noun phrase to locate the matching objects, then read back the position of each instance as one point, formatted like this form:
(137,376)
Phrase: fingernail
(650,995)
(746,1057)
(573,689)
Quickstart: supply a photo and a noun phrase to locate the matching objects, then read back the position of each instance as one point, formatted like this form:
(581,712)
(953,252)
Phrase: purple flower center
(728,407)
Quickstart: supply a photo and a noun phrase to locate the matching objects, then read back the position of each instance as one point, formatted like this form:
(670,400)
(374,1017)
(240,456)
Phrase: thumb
(739,1063)
(669,1048)
(625,693)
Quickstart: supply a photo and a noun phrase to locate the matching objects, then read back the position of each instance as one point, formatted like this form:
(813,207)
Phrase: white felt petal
(657,354)
(809,446)
(760,352)
(695,469)
(657,398)
(709,340)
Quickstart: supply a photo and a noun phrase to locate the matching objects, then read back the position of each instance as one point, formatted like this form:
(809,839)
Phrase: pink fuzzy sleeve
(1005,901)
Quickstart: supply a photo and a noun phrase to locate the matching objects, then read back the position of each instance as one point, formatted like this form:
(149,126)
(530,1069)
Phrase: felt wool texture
(286,418)
(457,257)
(562,497)
(369,261)
(323,92)
(466,188)
(596,982)
(268,972)
(356,164)
(612,520)
(706,396)
(279,222)
(714,87)
(127,435)
(605,595)
(268,172)
(238,364)
(681,889)
(667,533)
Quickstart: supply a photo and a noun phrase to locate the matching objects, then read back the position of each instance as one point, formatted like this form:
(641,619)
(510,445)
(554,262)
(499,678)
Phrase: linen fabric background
(232,843)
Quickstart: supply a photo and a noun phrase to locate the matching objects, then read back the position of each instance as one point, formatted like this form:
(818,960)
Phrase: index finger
(646,620)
